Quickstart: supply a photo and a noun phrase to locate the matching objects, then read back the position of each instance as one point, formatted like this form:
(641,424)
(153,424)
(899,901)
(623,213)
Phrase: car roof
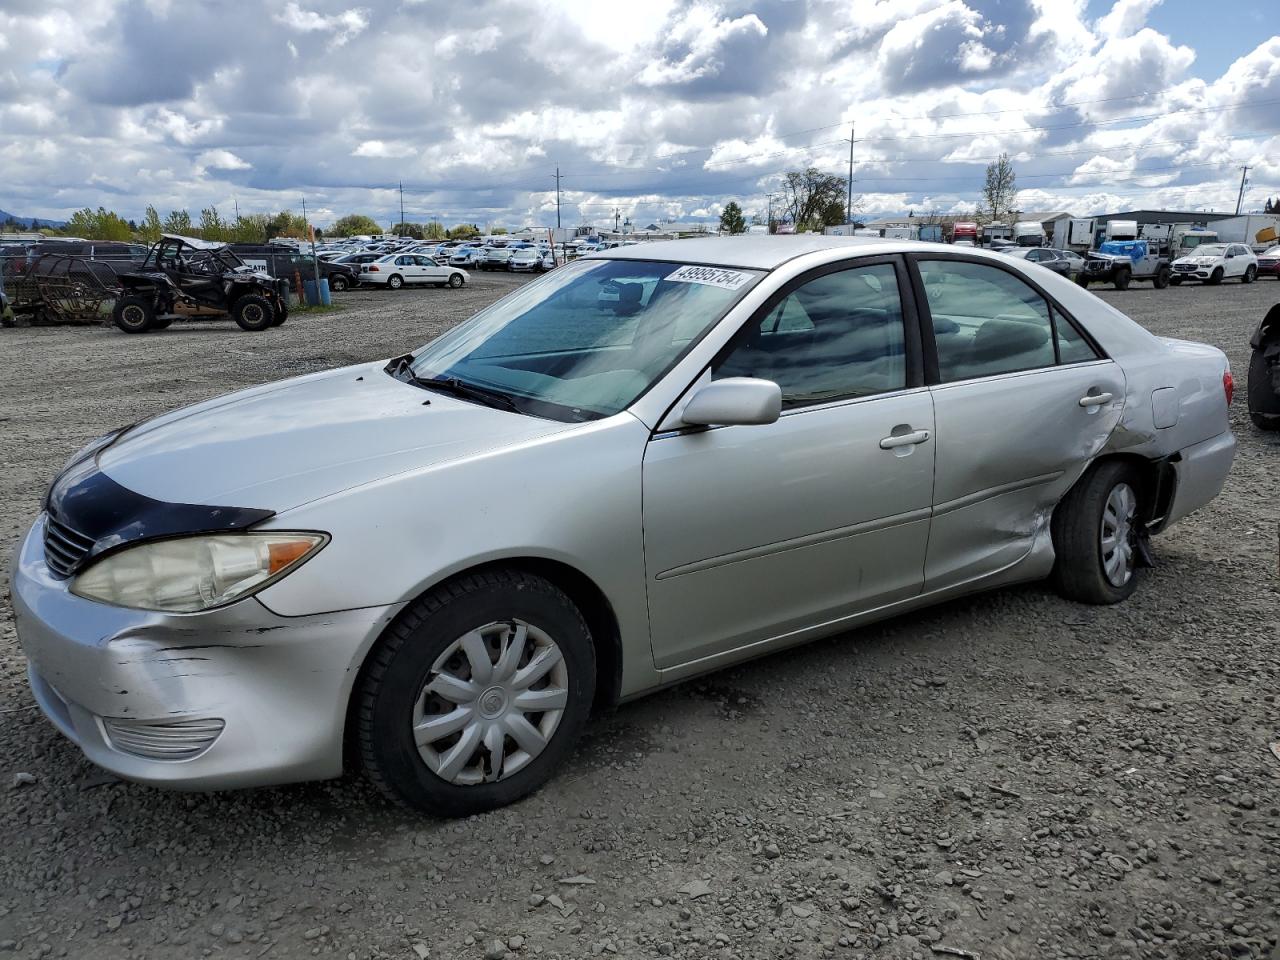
(766,252)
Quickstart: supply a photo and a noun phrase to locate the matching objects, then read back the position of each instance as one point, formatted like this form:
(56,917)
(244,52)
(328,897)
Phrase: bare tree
(1001,188)
(813,199)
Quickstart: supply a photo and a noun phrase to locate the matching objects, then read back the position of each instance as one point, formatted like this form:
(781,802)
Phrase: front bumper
(1198,273)
(124,685)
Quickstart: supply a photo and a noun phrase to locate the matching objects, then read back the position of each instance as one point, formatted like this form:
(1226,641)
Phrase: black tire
(1083,281)
(1078,570)
(399,665)
(455,280)
(1250,274)
(1264,397)
(1215,278)
(136,314)
(338,283)
(1162,278)
(395,281)
(1121,279)
(162,323)
(254,313)
(282,314)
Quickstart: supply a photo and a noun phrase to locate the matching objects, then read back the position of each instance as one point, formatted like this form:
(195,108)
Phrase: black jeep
(180,271)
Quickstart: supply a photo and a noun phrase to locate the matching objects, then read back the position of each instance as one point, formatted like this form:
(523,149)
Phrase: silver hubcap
(491,704)
(1117,534)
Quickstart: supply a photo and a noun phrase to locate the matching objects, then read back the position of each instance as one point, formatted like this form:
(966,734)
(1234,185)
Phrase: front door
(1023,401)
(757,533)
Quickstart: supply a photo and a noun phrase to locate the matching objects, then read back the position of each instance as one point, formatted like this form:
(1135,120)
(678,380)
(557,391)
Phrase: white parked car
(397,269)
(466,256)
(1214,262)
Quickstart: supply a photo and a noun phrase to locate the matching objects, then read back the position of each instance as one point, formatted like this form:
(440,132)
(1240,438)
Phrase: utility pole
(401,230)
(768,224)
(315,262)
(236,201)
(848,205)
(1244,173)
(557,198)
(617,215)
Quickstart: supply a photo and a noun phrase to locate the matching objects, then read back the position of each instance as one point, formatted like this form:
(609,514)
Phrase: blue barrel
(325,299)
(309,286)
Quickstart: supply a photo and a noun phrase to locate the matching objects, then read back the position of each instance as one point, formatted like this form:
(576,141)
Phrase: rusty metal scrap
(61,289)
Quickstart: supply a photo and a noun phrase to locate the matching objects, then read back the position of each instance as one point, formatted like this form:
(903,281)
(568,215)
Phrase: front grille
(1184,267)
(64,548)
(180,740)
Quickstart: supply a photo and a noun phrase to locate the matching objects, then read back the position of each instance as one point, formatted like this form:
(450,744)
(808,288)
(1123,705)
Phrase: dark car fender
(1268,330)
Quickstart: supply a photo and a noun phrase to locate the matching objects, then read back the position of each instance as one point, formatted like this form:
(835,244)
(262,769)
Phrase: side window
(985,320)
(1072,347)
(839,335)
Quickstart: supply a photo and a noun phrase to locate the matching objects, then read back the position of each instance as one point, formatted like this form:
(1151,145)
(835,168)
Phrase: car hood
(284,444)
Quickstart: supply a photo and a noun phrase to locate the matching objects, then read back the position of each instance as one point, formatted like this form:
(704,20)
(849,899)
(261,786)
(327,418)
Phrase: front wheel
(395,281)
(455,280)
(254,313)
(1250,274)
(1095,536)
(476,694)
(1083,281)
(134,314)
(1215,278)
(1162,278)
(1121,281)
(337,283)
(282,314)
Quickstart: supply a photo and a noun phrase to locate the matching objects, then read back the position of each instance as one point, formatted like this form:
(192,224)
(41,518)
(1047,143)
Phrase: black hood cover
(87,502)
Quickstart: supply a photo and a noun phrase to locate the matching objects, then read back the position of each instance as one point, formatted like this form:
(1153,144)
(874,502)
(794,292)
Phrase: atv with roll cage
(205,277)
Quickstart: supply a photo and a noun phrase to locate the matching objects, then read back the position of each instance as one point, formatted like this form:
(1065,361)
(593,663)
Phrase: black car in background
(1066,262)
(283,262)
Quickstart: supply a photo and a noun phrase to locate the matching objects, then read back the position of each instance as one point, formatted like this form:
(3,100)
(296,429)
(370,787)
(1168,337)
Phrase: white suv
(1214,262)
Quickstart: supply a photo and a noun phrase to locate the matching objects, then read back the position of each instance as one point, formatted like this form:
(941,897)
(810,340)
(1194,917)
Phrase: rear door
(1023,401)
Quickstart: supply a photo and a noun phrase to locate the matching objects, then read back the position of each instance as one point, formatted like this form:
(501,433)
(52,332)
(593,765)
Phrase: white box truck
(1080,233)
(1256,230)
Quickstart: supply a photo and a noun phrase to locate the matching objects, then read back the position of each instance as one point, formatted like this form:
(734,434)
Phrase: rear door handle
(904,439)
(1095,400)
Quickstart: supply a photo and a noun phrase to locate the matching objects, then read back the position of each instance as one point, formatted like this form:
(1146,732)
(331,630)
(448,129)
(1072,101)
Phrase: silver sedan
(650,463)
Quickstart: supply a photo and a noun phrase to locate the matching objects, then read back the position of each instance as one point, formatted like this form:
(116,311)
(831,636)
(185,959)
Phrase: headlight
(195,573)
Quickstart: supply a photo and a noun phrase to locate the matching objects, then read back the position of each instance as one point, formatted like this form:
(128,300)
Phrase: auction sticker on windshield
(711,276)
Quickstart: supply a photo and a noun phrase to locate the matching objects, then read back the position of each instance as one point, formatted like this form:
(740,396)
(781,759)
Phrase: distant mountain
(29,223)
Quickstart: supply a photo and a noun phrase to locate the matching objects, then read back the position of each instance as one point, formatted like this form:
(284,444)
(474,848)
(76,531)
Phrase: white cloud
(382,150)
(219,159)
(341,27)
(1126,17)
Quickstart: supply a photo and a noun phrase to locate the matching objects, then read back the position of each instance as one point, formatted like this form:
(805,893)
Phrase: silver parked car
(645,465)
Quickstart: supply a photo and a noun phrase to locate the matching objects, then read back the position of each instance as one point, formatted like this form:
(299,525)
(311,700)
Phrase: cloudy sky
(659,109)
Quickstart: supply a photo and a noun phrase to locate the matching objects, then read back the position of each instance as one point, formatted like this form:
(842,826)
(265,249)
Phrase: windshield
(1210,250)
(588,339)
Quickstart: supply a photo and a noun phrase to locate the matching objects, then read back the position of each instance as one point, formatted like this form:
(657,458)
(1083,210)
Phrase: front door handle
(904,439)
(1094,400)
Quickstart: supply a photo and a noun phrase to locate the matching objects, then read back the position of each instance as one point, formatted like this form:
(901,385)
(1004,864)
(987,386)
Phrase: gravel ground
(1009,775)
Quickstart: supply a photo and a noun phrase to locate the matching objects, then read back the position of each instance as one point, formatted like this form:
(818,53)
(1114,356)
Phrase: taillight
(373,270)
(1228,386)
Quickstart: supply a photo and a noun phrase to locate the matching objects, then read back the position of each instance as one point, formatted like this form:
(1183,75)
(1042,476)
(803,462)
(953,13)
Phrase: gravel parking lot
(1009,775)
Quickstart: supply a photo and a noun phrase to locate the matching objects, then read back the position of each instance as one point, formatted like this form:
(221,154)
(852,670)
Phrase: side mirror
(734,401)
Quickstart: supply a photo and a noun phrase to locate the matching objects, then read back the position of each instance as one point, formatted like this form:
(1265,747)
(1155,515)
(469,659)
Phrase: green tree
(354,225)
(434,231)
(414,230)
(212,226)
(151,228)
(286,223)
(179,221)
(100,224)
(1001,188)
(731,219)
(498,231)
(463,230)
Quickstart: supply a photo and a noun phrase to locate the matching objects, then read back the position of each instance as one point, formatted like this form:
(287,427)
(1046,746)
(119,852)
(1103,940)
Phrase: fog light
(162,740)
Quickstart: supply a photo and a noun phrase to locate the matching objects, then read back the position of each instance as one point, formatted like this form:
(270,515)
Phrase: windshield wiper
(467,391)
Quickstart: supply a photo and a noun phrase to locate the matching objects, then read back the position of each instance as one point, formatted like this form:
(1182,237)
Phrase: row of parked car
(1120,262)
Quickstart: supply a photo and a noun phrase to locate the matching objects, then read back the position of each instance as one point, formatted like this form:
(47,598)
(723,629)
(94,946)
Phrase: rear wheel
(1249,274)
(475,694)
(1215,278)
(282,314)
(455,280)
(254,313)
(134,314)
(338,283)
(1095,536)
(395,281)
(161,323)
